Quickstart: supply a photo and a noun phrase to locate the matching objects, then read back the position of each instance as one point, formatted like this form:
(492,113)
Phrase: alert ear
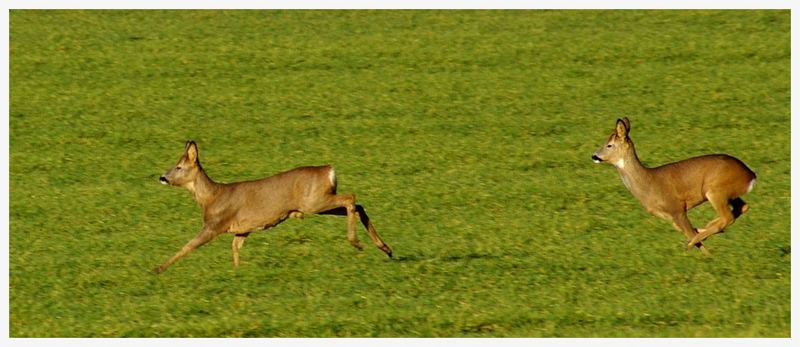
(627,124)
(622,128)
(191,151)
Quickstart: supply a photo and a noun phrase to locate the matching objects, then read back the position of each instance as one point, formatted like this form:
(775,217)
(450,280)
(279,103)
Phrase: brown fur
(243,207)
(670,191)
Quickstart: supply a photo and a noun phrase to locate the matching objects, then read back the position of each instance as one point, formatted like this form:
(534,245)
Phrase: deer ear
(191,151)
(622,128)
(627,123)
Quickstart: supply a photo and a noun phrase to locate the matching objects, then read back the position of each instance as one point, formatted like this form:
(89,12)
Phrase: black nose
(594,157)
(163,179)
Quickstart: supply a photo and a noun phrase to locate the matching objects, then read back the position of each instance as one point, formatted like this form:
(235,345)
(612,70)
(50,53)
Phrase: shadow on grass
(447,258)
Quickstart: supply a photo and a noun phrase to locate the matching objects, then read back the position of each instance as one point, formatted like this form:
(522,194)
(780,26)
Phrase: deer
(669,191)
(241,208)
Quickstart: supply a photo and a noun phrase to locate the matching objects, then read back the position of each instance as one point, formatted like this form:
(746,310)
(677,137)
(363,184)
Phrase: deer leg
(340,211)
(343,205)
(238,241)
(376,239)
(739,207)
(725,217)
(199,240)
(681,223)
(349,203)
(362,215)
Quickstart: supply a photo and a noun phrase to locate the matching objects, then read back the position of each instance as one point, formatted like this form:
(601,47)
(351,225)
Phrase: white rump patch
(620,163)
(750,187)
(332,177)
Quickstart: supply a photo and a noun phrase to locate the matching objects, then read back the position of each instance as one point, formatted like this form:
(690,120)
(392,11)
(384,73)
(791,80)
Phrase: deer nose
(596,159)
(163,180)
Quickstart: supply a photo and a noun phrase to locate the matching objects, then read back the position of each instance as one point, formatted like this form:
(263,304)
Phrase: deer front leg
(681,223)
(201,238)
(238,241)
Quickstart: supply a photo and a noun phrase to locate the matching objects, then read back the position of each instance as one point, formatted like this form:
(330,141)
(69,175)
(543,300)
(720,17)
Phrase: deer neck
(635,176)
(203,188)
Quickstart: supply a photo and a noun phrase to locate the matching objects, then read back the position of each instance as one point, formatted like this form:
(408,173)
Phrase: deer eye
(177,167)
(608,146)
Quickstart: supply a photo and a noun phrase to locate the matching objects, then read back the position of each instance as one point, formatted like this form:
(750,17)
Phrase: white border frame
(360,4)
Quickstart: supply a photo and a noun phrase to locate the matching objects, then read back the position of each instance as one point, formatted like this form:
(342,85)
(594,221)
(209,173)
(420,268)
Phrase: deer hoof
(695,240)
(386,250)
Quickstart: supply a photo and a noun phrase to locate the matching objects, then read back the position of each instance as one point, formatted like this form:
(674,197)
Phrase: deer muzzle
(595,159)
(163,180)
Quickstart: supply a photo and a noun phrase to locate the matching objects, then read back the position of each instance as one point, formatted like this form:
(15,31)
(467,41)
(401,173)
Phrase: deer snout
(596,159)
(163,180)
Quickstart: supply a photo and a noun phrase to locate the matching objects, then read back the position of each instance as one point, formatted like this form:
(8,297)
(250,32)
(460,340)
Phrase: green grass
(466,135)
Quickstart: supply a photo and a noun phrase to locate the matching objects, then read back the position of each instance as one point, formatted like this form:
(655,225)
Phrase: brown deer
(670,191)
(243,207)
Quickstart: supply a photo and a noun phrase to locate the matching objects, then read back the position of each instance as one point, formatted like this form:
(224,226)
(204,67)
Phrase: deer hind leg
(725,217)
(376,239)
(199,240)
(238,242)
(361,214)
(343,205)
(739,207)
(681,223)
(349,202)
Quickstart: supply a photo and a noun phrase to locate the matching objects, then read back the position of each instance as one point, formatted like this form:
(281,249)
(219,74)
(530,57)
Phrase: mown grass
(465,134)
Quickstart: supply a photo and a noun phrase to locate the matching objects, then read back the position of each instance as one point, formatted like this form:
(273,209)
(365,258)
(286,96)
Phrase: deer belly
(658,211)
(661,214)
(243,226)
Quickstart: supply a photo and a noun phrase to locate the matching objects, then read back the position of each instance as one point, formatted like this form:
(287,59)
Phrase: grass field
(466,135)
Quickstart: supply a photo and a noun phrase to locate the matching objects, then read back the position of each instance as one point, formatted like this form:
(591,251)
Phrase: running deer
(670,191)
(243,207)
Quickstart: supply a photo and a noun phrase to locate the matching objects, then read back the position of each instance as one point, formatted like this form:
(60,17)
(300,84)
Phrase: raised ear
(191,151)
(622,128)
